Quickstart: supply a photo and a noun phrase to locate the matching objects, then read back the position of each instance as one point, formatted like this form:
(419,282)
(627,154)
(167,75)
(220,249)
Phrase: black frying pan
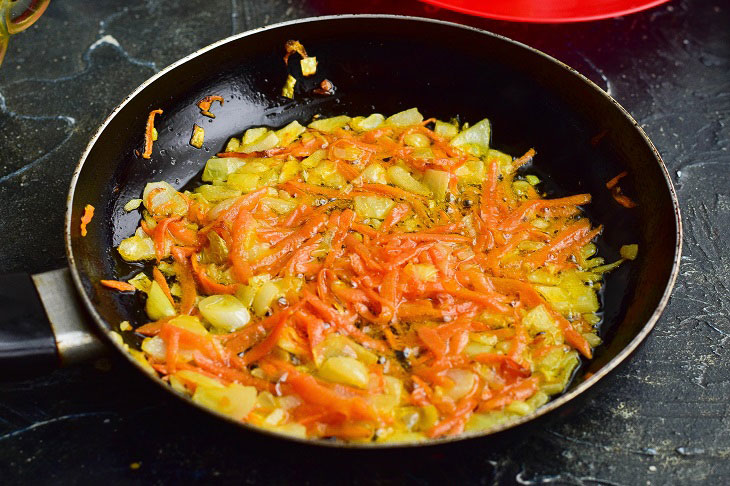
(378,64)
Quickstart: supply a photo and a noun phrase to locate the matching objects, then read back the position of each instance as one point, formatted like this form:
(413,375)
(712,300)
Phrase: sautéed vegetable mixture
(369,279)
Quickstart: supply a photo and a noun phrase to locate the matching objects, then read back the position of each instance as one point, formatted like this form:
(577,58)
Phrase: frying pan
(378,63)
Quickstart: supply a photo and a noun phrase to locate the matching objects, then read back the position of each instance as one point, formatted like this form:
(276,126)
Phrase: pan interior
(385,65)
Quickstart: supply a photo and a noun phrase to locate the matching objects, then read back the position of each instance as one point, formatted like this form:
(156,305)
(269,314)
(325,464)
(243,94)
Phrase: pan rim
(548,408)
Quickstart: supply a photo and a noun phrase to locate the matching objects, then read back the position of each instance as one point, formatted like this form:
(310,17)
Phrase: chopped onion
(405,118)
(235,400)
(224,312)
(348,371)
(198,136)
(158,305)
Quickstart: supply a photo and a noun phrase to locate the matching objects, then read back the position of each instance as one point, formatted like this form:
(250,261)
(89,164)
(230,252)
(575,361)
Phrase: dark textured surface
(663,419)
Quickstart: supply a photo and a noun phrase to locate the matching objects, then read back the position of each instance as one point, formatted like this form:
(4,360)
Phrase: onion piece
(225,312)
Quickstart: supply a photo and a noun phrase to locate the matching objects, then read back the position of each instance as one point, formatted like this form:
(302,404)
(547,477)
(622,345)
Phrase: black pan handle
(27,343)
(42,324)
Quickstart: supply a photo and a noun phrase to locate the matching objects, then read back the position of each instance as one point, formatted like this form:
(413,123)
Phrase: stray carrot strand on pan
(148,133)
(610,184)
(616,192)
(526,158)
(86,218)
(364,269)
(623,200)
(118,285)
(206,102)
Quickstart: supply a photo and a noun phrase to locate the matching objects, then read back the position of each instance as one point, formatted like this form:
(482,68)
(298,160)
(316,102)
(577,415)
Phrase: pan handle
(42,324)
(27,344)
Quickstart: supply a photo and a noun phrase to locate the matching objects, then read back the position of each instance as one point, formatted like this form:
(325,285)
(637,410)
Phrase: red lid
(546,11)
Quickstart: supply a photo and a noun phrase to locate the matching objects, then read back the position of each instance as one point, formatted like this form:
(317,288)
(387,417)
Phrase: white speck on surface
(107,39)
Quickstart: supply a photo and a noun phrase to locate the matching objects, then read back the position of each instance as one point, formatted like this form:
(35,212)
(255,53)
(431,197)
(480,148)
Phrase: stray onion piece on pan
(198,136)
(367,278)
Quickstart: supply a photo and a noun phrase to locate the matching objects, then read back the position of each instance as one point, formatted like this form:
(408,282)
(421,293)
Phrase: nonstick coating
(386,64)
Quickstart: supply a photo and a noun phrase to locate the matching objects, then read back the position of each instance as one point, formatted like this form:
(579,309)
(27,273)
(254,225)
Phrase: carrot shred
(392,191)
(183,234)
(117,285)
(238,256)
(525,159)
(288,244)
(566,238)
(519,391)
(148,134)
(171,336)
(267,345)
(184,274)
(428,237)
(623,200)
(162,282)
(433,341)
(86,218)
(150,329)
(160,233)
(614,181)
(616,192)
(395,216)
(305,188)
(232,374)
(243,203)
(313,392)
(208,285)
(454,424)
(573,337)
(237,155)
(206,102)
